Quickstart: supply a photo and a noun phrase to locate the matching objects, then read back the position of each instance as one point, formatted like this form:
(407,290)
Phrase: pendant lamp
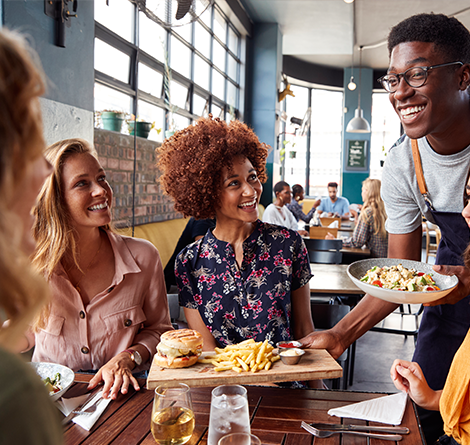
(358,124)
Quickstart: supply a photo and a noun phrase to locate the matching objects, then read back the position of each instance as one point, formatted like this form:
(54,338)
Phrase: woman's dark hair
(192,162)
(297,189)
(279,187)
(447,33)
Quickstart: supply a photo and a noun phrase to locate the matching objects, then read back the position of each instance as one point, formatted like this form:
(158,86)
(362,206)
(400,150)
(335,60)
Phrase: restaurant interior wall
(68,103)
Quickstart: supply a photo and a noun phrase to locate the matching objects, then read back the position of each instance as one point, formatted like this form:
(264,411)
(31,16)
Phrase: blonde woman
(370,228)
(26,414)
(108,305)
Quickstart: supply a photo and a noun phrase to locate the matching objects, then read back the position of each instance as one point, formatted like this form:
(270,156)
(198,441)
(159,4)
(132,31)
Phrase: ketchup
(287,345)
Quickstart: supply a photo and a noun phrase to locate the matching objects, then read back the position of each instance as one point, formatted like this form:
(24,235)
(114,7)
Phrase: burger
(179,348)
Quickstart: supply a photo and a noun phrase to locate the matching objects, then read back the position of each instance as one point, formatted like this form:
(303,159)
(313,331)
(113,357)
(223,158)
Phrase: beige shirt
(132,310)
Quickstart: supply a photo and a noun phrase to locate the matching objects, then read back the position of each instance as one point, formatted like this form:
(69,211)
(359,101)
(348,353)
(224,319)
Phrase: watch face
(137,358)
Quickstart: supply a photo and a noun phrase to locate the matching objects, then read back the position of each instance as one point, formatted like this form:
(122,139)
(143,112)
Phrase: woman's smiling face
(87,194)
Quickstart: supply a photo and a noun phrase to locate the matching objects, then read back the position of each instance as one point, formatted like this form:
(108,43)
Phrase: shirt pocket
(128,318)
(54,325)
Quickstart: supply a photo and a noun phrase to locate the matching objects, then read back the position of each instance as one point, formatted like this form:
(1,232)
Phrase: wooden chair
(325,316)
(327,220)
(324,251)
(320,232)
(431,248)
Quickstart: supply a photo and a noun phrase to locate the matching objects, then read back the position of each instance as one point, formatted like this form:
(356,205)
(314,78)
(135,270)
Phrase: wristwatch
(135,356)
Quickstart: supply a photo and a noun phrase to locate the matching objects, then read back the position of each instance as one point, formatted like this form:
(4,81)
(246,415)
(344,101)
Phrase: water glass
(229,412)
(239,439)
(172,420)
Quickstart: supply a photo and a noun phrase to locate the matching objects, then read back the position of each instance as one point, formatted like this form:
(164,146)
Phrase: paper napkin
(387,409)
(86,421)
(334,225)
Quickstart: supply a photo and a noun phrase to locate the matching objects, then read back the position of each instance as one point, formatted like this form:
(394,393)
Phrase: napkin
(86,421)
(334,225)
(388,409)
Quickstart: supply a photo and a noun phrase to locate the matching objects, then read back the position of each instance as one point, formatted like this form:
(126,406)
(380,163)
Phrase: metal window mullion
(111,82)
(309,138)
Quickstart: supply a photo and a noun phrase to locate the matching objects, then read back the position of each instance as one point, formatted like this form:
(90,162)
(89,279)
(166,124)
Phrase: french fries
(243,357)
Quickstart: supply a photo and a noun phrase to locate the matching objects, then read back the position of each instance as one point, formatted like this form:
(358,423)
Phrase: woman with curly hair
(245,278)
(108,306)
(370,229)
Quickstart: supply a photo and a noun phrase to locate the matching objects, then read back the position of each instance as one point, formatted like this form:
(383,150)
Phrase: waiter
(425,174)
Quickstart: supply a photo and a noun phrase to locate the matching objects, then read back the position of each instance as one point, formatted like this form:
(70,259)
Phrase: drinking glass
(172,420)
(239,439)
(229,412)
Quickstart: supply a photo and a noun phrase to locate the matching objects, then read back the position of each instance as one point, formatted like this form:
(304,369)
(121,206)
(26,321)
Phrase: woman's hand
(116,375)
(329,236)
(409,378)
(303,233)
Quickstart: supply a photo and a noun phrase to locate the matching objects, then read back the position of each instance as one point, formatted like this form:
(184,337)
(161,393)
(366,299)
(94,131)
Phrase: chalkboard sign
(357,155)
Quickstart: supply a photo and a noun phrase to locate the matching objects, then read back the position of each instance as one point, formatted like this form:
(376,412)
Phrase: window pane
(111,61)
(218,55)
(201,72)
(220,26)
(180,60)
(180,121)
(152,113)
(152,37)
(218,84)
(232,95)
(118,16)
(199,105)
(150,80)
(109,99)
(232,68)
(232,41)
(179,94)
(203,40)
(206,17)
(217,111)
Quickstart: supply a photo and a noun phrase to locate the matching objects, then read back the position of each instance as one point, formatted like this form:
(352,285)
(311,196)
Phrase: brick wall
(116,154)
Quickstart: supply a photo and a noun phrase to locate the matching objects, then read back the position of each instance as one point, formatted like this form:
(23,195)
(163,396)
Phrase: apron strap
(419,172)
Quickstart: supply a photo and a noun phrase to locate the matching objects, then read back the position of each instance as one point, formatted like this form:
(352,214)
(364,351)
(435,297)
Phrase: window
(202,57)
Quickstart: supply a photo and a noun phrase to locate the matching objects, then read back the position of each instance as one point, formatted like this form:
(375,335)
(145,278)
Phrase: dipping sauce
(287,345)
(290,353)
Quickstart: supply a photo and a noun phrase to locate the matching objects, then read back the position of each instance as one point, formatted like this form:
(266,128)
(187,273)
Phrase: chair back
(431,248)
(317,232)
(324,251)
(327,220)
(325,316)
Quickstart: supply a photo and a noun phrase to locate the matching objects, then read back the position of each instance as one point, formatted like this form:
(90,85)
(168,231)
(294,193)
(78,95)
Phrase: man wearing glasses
(427,82)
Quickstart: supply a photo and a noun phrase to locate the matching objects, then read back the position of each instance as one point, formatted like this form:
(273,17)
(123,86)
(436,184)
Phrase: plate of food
(401,281)
(57,378)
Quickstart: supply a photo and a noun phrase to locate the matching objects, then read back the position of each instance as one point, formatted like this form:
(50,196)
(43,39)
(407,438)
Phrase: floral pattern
(253,301)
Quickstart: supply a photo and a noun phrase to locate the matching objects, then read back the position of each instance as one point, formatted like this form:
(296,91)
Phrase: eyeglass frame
(402,75)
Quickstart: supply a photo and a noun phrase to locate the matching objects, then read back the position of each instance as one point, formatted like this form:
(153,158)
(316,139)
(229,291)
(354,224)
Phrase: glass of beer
(229,412)
(172,420)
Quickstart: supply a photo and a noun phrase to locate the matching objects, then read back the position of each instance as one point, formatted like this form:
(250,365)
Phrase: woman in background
(108,306)
(370,228)
(296,208)
(27,415)
(277,213)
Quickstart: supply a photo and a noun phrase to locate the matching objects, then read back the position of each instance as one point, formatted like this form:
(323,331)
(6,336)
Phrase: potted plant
(141,127)
(111,119)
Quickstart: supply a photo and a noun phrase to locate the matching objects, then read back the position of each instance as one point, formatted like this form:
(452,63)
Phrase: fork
(324,433)
(90,410)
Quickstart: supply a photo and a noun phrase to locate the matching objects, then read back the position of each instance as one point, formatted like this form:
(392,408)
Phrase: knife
(349,427)
(72,414)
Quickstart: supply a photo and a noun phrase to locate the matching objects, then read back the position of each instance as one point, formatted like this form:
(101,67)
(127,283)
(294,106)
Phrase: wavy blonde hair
(375,203)
(22,290)
(53,230)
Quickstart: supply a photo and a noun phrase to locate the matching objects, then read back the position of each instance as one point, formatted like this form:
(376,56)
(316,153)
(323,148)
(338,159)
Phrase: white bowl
(45,370)
(446,283)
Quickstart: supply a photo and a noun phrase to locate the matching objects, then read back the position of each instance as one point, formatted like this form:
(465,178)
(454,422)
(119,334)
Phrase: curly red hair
(193,159)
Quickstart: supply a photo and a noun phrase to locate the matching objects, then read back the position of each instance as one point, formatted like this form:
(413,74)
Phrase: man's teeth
(248,204)
(411,110)
(99,206)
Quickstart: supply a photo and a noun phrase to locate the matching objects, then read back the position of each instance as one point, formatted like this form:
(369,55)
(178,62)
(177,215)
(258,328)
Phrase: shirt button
(110,289)
(85,350)
(128,322)
(82,314)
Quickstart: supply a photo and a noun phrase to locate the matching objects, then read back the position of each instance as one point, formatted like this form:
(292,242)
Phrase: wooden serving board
(315,364)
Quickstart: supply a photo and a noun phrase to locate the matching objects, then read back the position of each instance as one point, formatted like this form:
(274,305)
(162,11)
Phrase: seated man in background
(195,229)
(334,205)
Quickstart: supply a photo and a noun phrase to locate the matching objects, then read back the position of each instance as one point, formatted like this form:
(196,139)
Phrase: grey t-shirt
(445,176)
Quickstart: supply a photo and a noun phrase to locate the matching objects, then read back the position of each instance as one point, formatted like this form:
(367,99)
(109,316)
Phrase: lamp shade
(358,124)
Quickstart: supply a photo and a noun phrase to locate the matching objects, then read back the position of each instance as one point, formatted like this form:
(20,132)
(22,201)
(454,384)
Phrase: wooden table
(276,414)
(332,279)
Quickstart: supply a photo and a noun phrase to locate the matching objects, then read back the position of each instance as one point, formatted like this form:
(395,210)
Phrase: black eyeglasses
(415,77)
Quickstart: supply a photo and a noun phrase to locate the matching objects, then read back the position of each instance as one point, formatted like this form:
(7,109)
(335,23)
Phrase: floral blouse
(253,301)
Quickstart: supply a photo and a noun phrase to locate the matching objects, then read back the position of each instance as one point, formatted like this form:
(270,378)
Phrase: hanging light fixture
(358,124)
(351,84)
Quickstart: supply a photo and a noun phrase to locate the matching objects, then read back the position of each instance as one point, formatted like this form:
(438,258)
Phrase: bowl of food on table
(57,378)
(401,281)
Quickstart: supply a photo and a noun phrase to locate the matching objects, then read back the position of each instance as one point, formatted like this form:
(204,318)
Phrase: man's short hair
(333,184)
(447,33)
